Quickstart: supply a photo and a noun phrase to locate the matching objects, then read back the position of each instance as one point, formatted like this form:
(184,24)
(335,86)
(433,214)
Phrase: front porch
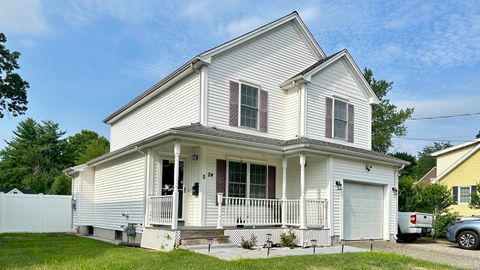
(296,199)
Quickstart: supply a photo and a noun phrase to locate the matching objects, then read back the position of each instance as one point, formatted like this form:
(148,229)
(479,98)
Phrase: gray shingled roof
(221,135)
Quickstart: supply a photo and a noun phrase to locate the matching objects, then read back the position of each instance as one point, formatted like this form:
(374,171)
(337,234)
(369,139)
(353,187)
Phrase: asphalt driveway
(441,251)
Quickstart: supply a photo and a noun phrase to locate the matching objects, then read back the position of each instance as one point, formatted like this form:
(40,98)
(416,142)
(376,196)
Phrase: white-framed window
(340,114)
(249,103)
(246,180)
(464,194)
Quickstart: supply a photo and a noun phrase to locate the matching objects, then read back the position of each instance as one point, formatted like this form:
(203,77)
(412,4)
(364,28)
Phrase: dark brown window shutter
(263,111)
(221,178)
(350,126)
(455,195)
(328,117)
(234,89)
(271,182)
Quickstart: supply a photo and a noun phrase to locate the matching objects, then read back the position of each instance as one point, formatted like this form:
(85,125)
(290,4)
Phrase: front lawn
(64,251)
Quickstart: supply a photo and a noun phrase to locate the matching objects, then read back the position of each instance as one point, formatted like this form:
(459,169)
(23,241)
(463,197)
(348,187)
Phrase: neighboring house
(458,168)
(428,178)
(16,191)
(258,134)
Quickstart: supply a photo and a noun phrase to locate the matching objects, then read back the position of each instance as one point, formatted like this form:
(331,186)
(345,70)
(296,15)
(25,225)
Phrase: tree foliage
(38,153)
(426,161)
(13,89)
(407,194)
(387,119)
(475,200)
(407,170)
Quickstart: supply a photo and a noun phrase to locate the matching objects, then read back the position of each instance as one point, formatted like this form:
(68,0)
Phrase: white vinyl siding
(292,117)
(338,81)
(119,191)
(177,106)
(83,194)
(315,178)
(355,172)
(267,61)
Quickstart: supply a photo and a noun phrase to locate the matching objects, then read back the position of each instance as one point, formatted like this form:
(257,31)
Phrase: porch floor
(229,252)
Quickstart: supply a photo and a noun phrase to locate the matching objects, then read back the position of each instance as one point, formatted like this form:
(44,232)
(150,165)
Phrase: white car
(413,225)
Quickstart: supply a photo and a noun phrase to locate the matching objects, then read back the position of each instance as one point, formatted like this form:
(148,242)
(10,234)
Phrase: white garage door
(362,211)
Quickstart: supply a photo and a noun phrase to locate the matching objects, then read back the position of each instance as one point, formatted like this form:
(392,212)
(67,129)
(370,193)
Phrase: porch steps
(203,237)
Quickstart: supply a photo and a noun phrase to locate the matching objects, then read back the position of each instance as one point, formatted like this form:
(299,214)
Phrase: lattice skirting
(304,237)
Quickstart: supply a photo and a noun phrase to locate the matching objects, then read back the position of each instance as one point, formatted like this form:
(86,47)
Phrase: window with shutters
(249,106)
(243,175)
(464,195)
(340,119)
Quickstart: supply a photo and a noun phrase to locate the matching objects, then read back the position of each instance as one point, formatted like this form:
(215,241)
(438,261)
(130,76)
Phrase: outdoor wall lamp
(368,167)
(194,157)
(394,190)
(339,185)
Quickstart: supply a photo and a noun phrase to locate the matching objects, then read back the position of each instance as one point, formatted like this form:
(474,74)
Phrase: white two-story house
(261,133)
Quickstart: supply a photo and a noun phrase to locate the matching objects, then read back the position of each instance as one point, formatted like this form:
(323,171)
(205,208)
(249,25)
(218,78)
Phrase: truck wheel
(468,240)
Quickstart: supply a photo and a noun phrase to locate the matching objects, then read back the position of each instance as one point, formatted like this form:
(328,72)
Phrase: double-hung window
(248,106)
(465,195)
(247,180)
(339,119)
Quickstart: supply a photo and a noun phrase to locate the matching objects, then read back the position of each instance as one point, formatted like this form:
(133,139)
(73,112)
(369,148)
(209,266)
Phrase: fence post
(219,213)
(325,213)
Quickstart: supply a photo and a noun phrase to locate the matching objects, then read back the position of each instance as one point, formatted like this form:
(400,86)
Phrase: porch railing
(292,212)
(316,213)
(161,209)
(247,211)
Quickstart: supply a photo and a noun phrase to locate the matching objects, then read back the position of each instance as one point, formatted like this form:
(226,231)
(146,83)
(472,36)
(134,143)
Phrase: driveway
(442,251)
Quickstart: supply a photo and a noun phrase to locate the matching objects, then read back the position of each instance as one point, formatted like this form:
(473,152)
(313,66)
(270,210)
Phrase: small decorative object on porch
(339,185)
(314,244)
(288,239)
(209,241)
(248,244)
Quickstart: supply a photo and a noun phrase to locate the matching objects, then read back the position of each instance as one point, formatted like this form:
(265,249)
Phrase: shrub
(248,244)
(288,239)
(441,223)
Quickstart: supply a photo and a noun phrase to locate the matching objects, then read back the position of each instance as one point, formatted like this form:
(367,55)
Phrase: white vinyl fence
(35,213)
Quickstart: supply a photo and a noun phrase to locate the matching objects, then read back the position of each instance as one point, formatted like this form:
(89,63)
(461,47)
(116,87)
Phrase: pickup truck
(412,225)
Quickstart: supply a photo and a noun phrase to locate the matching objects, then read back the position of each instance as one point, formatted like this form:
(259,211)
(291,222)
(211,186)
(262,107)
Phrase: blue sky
(84,59)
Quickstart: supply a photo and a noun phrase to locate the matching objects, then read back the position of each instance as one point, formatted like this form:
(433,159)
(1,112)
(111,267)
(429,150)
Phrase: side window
(464,195)
(237,179)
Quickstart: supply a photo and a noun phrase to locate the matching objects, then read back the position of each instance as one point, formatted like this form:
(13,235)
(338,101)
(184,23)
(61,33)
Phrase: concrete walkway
(235,253)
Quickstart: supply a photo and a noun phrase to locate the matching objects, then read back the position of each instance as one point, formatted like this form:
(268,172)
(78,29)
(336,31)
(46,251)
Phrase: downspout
(145,194)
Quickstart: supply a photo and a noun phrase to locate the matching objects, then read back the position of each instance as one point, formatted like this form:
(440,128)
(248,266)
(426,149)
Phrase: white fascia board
(453,148)
(206,56)
(457,163)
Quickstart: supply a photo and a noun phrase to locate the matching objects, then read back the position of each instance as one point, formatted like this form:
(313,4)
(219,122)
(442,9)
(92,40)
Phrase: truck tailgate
(424,220)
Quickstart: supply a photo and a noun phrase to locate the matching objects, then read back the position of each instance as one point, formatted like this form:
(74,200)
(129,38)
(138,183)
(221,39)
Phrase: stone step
(193,241)
(201,233)
(205,247)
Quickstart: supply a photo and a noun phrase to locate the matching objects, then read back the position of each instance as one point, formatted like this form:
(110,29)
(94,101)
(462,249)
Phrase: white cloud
(23,17)
(244,25)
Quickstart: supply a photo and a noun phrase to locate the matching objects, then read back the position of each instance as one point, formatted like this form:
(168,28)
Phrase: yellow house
(458,168)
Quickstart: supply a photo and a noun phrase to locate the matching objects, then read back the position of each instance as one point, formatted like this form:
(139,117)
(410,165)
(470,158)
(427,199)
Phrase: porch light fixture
(394,190)
(195,157)
(314,244)
(339,185)
(368,167)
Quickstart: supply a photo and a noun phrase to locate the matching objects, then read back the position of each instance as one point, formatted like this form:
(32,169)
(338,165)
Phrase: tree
(425,160)
(13,89)
(407,194)
(478,135)
(387,119)
(475,200)
(87,145)
(407,170)
(35,156)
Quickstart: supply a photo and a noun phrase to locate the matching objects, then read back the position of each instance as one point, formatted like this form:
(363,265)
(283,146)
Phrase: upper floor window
(249,106)
(339,119)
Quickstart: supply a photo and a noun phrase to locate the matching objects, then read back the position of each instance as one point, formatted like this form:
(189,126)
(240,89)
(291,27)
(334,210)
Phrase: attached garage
(363,211)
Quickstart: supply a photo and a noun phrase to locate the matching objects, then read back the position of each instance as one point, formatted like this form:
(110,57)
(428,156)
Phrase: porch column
(284,192)
(176,170)
(303,217)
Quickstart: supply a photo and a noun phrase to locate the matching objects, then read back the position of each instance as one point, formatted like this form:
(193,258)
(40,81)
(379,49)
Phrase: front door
(167,182)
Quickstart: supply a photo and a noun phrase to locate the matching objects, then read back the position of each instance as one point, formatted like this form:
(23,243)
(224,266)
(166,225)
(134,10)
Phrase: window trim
(240,83)
(247,190)
(460,192)
(333,118)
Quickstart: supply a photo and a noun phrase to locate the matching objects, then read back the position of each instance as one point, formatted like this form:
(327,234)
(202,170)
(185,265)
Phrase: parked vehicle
(465,232)
(413,225)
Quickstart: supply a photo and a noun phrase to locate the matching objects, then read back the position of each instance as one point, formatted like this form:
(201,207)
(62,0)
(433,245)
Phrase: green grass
(64,251)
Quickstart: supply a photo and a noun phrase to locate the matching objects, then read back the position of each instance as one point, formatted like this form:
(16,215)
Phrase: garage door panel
(363,211)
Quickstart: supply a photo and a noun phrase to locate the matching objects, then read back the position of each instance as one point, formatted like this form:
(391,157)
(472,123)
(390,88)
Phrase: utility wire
(431,140)
(444,116)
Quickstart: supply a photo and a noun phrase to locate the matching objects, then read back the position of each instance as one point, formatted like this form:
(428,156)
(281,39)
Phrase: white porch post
(303,218)
(284,192)
(219,213)
(176,170)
